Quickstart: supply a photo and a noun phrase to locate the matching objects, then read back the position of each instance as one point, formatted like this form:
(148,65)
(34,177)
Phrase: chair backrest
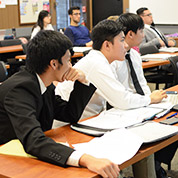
(10,42)
(24,46)
(174,68)
(3,72)
(148,50)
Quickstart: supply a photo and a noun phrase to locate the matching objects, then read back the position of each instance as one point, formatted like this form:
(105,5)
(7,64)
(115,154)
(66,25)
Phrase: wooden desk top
(74,56)
(20,167)
(7,66)
(150,64)
(9,49)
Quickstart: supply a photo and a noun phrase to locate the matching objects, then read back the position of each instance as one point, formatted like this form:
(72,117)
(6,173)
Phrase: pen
(171,115)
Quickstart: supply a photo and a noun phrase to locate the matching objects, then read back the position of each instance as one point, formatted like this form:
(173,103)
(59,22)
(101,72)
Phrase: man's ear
(130,33)
(106,45)
(53,64)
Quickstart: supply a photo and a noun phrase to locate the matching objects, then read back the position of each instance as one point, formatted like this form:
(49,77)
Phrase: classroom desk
(7,66)
(10,49)
(150,64)
(76,55)
(19,167)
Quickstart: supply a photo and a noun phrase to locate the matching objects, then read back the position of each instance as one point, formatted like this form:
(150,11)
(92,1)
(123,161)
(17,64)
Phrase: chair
(148,50)
(3,71)
(174,67)
(168,77)
(10,42)
(24,46)
(10,57)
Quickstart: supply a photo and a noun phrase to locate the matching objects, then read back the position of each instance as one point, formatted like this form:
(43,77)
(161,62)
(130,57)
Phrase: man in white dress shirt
(96,66)
(153,37)
(133,30)
(109,47)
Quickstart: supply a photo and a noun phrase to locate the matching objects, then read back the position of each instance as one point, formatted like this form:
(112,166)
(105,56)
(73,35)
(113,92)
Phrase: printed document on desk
(169,50)
(81,49)
(118,146)
(116,118)
(157,57)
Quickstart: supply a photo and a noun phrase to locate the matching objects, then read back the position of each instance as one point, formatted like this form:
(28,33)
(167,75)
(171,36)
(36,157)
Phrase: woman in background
(43,23)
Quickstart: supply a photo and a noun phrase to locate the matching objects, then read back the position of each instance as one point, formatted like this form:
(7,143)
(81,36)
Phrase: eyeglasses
(150,14)
(76,14)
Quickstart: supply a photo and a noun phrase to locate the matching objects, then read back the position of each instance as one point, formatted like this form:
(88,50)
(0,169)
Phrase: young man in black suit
(28,104)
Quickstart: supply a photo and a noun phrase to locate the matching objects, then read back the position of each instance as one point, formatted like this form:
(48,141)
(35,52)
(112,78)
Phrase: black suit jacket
(25,114)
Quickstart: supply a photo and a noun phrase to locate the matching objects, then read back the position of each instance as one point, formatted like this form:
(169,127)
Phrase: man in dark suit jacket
(28,104)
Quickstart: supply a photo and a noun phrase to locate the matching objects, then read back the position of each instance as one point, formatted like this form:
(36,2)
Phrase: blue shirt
(79,35)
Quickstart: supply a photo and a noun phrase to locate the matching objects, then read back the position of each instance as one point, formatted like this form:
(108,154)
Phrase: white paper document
(152,131)
(116,118)
(81,49)
(169,50)
(157,57)
(118,146)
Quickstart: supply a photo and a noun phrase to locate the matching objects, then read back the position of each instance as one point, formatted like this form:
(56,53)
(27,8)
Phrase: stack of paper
(116,118)
(169,50)
(118,146)
(157,57)
(81,49)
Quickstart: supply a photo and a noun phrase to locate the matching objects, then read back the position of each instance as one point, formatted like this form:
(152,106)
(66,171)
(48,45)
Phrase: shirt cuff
(74,158)
(148,100)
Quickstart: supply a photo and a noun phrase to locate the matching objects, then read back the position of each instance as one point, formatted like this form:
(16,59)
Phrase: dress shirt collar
(42,85)
(147,26)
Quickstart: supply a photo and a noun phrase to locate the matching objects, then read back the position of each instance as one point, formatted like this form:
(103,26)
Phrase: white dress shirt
(121,68)
(99,72)
(37,29)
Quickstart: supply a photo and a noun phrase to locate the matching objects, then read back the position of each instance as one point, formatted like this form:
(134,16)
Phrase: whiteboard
(164,11)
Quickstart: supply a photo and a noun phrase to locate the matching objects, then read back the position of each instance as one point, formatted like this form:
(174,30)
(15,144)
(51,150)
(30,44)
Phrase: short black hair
(105,30)
(70,11)
(44,47)
(130,21)
(141,10)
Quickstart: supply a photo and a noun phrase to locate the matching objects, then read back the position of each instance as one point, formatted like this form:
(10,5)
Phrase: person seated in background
(153,36)
(28,104)
(43,23)
(78,34)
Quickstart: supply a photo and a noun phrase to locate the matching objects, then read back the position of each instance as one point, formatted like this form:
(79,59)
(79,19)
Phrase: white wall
(164,11)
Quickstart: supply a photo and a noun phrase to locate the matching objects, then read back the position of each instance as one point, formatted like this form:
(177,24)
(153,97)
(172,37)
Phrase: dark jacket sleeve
(21,105)
(79,98)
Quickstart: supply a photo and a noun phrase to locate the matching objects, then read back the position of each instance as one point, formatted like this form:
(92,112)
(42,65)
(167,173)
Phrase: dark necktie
(161,36)
(134,76)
